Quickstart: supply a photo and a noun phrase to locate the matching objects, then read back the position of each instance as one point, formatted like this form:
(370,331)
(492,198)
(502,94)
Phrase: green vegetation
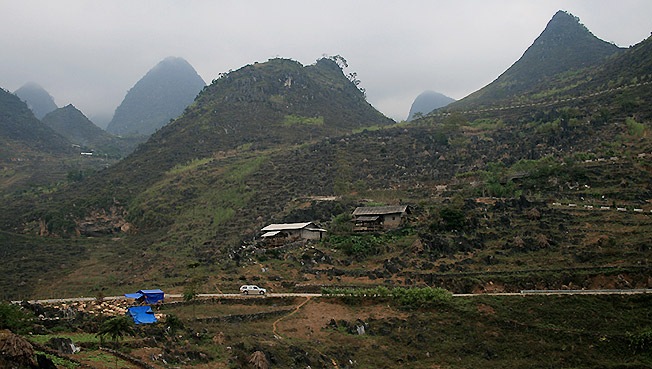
(361,245)
(193,164)
(635,129)
(13,318)
(59,362)
(415,297)
(116,328)
(291,120)
(75,337)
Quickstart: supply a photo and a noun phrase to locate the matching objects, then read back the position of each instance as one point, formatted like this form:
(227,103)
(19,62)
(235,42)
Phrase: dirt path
(283,317)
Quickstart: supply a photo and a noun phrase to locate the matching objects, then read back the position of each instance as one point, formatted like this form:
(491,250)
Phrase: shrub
(641,341)
(13,318)
(453,218)
(414,297)
(341,224)
(635,129)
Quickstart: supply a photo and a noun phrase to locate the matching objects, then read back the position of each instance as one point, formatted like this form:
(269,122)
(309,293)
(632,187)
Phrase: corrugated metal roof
(316,229)
(285,226)
(271,234)
(380,210)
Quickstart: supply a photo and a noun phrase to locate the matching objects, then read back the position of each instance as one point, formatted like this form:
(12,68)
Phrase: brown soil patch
(600,282)
(308,322)
(486,310)
(492,287)
(150,355)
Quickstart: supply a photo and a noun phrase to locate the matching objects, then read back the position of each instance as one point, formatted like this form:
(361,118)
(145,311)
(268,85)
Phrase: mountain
(20,128)
(31,153)
(428,101)
(73,124)
(565,45)
(280,142)
(158,97)
(37,99)
(255,110)
(553,194)
(257,107)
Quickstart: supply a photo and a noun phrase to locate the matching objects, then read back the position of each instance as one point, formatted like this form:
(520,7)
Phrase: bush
(341,224)
(13,318)
(415,297)
(635,129)
(642,341)
(453,218)
(426,296)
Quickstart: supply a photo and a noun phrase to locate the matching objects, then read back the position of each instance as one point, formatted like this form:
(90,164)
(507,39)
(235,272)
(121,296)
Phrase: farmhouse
(277,234)
(379,218)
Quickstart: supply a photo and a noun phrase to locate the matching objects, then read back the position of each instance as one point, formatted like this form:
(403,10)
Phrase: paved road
(237,295)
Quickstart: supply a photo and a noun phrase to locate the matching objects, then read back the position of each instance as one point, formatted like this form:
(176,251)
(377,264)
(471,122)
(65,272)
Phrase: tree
(339,60)
(189,293)
(173,324)
(116,328)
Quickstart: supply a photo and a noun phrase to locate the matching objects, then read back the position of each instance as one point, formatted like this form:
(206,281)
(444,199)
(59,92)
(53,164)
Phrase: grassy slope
(204,210)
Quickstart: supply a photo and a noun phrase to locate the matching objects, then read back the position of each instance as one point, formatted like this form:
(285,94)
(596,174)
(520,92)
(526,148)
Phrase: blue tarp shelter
(151,296)
(142,314)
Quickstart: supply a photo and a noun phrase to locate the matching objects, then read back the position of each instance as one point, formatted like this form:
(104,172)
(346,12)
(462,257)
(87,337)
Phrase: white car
(248,289)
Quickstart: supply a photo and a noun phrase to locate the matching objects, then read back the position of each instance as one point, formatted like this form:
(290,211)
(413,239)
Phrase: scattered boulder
(258,360)
(15,351)
(534,214)
(219,339)
(63,345)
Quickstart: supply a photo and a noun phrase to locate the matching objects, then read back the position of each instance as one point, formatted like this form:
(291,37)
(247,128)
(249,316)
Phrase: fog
(90,53)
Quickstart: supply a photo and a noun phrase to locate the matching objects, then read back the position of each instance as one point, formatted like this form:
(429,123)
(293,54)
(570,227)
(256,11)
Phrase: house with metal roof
(379,218)
(276,234)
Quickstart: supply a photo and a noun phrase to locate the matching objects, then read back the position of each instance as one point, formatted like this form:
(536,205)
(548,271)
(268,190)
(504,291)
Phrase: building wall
(310,235)
(391,221)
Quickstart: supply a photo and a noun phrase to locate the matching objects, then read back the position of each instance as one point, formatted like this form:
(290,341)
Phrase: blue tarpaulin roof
(151,296)
(142,314)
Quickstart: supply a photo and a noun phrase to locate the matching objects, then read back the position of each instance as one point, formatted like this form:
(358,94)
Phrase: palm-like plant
(116,328)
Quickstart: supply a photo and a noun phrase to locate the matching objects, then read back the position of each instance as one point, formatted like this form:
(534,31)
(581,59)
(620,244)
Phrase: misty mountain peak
(39,101)
(162,94)
(428,101)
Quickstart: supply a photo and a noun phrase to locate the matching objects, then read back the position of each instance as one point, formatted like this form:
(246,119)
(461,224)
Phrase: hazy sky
(89,53)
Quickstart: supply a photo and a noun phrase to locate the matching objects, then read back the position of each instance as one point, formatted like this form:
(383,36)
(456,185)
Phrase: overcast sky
(89,53)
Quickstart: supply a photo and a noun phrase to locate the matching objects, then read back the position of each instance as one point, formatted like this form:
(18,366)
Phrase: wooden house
(379,218)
